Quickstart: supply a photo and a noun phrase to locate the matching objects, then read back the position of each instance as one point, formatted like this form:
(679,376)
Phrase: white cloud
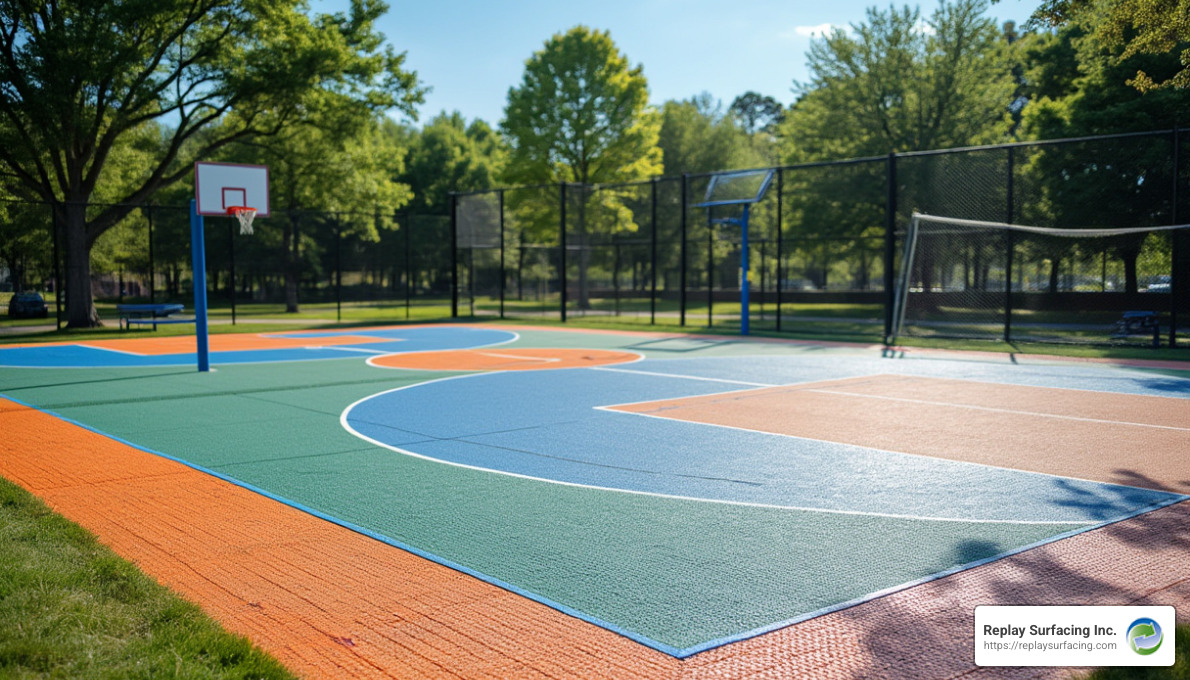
(808,31)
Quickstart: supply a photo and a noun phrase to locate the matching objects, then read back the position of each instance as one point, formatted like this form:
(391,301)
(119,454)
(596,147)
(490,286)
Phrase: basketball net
(245,217)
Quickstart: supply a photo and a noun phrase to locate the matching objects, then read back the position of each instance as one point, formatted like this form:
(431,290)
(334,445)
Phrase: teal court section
(680,538)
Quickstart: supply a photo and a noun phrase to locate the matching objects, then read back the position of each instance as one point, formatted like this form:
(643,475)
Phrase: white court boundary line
(343,421)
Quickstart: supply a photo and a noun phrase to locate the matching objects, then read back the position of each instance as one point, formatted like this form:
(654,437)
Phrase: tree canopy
(78,76)
(581,114)
(898,83)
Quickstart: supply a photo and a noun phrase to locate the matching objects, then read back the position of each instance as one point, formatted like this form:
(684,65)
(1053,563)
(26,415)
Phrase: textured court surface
(623,505)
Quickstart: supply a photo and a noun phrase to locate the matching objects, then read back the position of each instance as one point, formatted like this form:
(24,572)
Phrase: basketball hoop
(245,216)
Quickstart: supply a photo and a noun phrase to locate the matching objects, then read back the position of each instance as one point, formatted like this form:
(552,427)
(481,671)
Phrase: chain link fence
(825,248)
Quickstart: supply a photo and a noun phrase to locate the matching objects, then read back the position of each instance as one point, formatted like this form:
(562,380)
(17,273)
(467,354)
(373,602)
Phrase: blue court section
(548,425)
(395,340)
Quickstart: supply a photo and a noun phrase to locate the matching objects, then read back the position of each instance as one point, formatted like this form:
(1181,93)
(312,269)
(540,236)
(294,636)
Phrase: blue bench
(149,314)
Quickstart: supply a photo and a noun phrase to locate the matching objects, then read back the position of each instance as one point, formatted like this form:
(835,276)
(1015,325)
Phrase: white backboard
(219,186)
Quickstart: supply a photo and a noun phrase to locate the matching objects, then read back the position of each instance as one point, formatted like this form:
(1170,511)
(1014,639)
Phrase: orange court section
(1101,436)
(331,603)
(227,342)
(498,359)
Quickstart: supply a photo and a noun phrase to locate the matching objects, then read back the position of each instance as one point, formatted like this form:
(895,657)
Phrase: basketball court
(499,501)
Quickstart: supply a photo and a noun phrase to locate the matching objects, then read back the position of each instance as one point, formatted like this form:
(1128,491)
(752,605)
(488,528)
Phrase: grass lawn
(70,608)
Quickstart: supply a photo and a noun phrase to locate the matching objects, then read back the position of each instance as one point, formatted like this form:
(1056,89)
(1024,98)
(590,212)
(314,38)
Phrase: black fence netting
(826,249)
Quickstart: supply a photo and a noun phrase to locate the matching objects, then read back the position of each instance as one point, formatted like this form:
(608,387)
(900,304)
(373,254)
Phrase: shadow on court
(928,631)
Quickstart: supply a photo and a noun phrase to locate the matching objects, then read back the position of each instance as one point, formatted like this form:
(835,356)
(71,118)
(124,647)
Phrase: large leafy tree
(581,114)
(77,76)
(1080,84)
(895,82)
(1135,27)
(697,135)
(898,83)
(449,154)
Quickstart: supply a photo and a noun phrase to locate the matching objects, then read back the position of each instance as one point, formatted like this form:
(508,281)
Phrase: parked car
(27,306)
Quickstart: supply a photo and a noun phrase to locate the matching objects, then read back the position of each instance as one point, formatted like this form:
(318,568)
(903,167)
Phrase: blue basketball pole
(744,272)
(199,262)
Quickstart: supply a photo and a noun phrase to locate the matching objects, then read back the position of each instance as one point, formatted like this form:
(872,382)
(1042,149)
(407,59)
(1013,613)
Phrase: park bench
(1139,323)
(150,314)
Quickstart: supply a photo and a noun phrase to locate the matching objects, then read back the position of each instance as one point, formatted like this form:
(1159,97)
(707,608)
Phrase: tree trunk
(71,220)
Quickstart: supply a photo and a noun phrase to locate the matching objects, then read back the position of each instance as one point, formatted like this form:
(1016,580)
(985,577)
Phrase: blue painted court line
(547,425)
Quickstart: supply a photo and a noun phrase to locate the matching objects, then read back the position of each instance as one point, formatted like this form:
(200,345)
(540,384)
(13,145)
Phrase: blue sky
(471,51)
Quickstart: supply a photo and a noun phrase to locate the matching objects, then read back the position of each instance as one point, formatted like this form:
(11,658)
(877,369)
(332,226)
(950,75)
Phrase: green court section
(679,573)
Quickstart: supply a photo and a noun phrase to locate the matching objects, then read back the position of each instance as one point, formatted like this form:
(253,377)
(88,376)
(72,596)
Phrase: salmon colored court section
(497,359)
(330,603)
(1108,437)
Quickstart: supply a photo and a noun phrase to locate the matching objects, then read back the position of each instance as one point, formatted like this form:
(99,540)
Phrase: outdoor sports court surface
(496,501)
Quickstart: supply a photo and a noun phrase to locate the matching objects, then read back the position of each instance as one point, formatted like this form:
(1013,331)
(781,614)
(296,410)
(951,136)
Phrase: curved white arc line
(347,426)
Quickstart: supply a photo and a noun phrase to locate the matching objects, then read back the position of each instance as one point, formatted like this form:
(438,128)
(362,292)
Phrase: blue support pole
(744,272)
(199,262)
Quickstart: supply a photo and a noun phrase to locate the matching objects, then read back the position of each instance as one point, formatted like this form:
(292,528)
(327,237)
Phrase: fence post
(1176,284)
(562,256)
(148,210)
(780,241)
(407,227)
(503,274)
(454,256)
(338,270)
(682,267)
(1009,212)
(890,239)
(710,271)
(653,257)
(58,287)
(231,266)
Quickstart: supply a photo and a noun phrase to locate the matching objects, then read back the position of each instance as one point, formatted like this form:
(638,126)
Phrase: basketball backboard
(220,186)
(736,188)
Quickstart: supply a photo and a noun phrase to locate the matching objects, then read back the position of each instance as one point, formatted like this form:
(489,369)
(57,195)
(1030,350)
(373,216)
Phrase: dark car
(27,306)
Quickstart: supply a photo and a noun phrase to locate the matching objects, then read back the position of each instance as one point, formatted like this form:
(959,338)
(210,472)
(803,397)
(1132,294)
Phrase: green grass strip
(71,608)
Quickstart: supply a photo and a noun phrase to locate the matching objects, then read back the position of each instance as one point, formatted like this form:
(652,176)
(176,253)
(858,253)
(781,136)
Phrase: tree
(344,168)
(758,113)
(698,136)
(1079,85)
(581,114)
(895,83)
(1137,27)
(450,155)
(77,76)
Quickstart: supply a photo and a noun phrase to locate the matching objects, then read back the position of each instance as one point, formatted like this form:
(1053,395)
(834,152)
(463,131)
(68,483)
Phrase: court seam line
(998,410)
(343,421)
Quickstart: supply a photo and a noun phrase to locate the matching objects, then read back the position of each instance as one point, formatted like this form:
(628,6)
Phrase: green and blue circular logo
(1144,636)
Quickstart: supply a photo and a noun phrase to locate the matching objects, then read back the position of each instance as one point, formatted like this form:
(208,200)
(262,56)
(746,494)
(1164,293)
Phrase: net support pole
(744,283)
(198,258)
